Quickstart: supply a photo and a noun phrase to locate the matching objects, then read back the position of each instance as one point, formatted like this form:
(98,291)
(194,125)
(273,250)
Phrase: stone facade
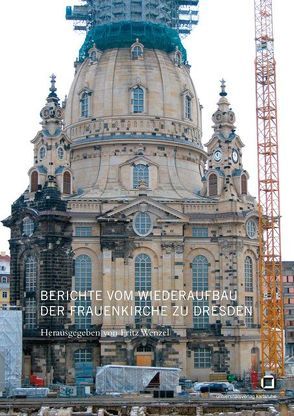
(125,188)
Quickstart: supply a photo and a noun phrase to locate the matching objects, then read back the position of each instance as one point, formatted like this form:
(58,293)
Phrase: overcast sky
(36,41)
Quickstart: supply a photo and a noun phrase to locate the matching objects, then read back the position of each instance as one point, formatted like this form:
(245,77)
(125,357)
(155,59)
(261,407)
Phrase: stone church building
(124,195)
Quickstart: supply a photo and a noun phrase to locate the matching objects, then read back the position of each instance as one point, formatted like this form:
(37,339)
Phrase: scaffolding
(270,261)
(123,34)
(181,15)
(10,349)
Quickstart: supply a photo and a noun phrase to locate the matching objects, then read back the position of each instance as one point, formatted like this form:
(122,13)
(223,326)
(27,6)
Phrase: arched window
(30,274)
(243,185)
(143,276)
(83,273)
(200,284)
(143,267)
(34,181)
(83,282)
(84,102)
(60,153)
(138,100)
(140,175)
(178,58)
(137,52)
(42,152)
(67,183)
(28,226)
(200,273)
(212,184)
(93,56)
(4,279)
(248,269)
(188,107)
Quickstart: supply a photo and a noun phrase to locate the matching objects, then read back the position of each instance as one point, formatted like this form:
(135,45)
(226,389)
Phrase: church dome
(121,91)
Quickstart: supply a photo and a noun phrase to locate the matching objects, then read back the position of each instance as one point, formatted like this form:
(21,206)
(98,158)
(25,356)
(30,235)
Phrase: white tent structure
(131,379)
(10,349)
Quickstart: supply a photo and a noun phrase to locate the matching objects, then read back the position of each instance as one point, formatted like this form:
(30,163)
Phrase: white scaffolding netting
(129,379)
(10,348)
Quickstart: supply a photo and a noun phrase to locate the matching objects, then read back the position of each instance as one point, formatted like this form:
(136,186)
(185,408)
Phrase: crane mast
(270,265)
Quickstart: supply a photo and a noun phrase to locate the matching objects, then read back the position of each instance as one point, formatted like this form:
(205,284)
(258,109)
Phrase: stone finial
(52,97)
(223,92)
(53,82)
(52,113)
(224,117)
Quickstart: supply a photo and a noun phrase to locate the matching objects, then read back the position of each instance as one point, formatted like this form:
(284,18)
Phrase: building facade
(124,197)
(288,286)
(4,279)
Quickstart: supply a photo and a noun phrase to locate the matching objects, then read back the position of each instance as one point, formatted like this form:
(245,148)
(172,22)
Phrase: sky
(37,41)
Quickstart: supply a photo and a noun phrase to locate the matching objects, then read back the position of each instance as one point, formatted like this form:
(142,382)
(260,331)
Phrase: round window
(142,224)
(42,152)
(251,229)
(60,153)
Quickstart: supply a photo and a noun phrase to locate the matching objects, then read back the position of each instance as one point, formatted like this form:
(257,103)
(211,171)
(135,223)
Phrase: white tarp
(127,379)
(30,392)
(11,347)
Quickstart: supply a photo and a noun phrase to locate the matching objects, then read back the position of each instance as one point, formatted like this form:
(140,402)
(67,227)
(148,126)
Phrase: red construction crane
(270,265)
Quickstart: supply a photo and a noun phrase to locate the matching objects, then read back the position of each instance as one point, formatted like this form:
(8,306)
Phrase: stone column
(119,287)
(107,283)
(166,282)
(179,280)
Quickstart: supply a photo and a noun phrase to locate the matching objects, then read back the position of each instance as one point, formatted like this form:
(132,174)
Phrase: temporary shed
(130,379)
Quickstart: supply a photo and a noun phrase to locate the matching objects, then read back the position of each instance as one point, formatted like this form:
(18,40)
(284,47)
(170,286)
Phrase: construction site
(124,198)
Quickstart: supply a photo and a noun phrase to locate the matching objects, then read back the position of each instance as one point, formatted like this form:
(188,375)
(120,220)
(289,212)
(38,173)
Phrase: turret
(225,177)
(51,148)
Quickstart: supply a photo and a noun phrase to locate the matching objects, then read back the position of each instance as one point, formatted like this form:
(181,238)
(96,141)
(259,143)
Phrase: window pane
(66,183)
(248,274)
(83,273)
(200,232)
(30,274)
(188,107)
(249,304)
(202,357)
(138,100)
(82,319)
(142,223)
(143,272)
(28,226)
(212,183)
(244,184)
(83,231)
(83,356)
(200,317)
(200,273)
(140,175)
(200,283)
(137,52)
(30,313)
(34,181)
(143,319)
(85,105)
(60,153)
